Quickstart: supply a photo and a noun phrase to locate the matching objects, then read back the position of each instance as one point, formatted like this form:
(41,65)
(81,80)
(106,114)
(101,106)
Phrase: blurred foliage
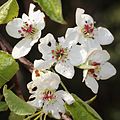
(106,13)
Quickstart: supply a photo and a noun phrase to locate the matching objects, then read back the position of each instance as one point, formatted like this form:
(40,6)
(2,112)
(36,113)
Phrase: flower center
(27,29)
(60,53)
(87,30)
(94,72)
(48,95)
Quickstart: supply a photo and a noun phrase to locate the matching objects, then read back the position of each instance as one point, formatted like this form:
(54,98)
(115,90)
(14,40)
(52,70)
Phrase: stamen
(93,72)
(48,95)
(88,30)
(27,29)
(37,73)
(60,53)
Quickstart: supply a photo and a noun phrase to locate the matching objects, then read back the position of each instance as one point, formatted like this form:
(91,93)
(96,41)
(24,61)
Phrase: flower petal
(67,97)
(36,16)
(77,55)
(44,46)
(25,18)
(82,18)
(99,56)
(36,103)
(105,37)
(65,69)
(107,71)
(79,12)
(14,26)
(48,80)
(22,48)
(35,38)
(72,37)
(92,84)
(41,64)
(91,44)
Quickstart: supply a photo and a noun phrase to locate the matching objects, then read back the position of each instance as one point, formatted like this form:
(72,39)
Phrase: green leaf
(79,109)
(53,9)
(13,116)
(8,11)
(8,67)
(17,105)
(3,106)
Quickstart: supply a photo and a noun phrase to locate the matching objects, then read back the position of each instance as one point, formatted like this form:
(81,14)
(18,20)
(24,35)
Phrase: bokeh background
(106,13)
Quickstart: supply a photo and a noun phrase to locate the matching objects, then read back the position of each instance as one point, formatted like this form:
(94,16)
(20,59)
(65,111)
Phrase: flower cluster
(44,94)
(80,47)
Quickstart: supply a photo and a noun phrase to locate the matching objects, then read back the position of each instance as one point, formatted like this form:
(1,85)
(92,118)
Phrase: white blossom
(87,34)
(44,95)
(28,28)
(101,69)
(64,55)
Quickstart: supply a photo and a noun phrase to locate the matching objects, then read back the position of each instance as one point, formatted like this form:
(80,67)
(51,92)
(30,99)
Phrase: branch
(7,47)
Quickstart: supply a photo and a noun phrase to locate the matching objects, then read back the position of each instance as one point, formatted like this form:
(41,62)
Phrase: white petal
(107,71)
(25,18)
(82,18)
(47,80)
(99,56)
(77,55)
(22,48)
(79,11)
(41,64)
(46,51)
(37,16)
(52,79)
(72,37)
(44,46)
(67,97)
(92,84)
(55,114)
(14,26)
(30,86)
(36,103)
(35,38)
(48,38)
(31,9)
(65,69)
(91,44)
(105,37)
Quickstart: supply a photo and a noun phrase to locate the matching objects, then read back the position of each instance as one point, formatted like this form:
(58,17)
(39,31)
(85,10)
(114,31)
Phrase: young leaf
(79,109)
(53,9)
(8,11)
(17,105)
(3,106)
(8,67)
(13,116)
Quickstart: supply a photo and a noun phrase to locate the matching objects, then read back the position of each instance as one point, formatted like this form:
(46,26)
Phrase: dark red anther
(29,30)
(95,63)
(37,73)
(89,28)
(53,51)
(91,71)
(19,31)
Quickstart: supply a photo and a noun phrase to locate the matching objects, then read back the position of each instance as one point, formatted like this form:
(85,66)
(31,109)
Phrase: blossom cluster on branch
(80,47)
